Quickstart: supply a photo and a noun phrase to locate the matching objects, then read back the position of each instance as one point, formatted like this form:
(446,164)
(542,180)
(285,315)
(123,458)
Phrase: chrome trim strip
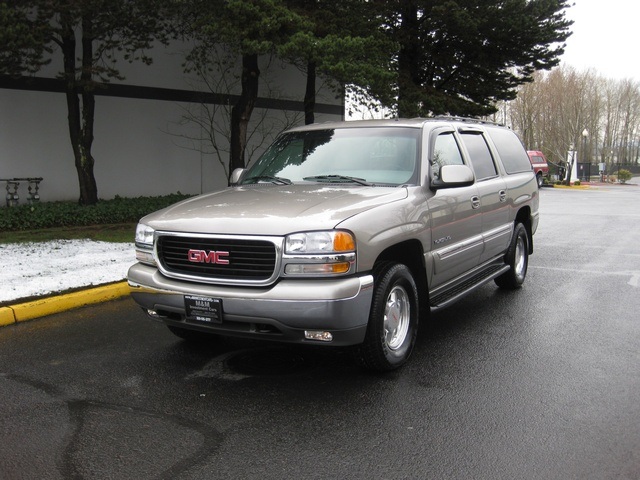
(459,247)
(499,231)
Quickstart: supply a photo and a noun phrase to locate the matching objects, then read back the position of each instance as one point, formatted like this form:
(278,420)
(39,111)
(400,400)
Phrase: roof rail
(452,118)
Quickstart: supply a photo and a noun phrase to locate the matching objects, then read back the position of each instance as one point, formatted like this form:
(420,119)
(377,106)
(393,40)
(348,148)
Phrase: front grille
(249,260)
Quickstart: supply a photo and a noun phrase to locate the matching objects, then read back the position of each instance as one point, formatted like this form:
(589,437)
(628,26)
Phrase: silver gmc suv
(344,233)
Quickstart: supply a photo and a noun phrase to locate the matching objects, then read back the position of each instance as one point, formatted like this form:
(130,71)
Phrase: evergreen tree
(344,43)
(460,57)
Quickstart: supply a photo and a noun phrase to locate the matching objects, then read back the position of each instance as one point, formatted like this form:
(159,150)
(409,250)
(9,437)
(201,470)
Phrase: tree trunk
(408,64)
(80,117)
(310,94)
(241,111)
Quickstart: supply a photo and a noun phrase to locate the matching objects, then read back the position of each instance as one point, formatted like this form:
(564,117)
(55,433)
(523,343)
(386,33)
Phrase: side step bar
(458,290)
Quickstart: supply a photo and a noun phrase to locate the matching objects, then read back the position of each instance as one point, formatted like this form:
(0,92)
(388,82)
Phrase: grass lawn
(117,233)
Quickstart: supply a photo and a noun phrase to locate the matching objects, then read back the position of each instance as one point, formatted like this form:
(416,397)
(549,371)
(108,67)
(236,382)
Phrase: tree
(552,112)
(91,36)
(213,119)
(249,29)
(344,43)
(461,57)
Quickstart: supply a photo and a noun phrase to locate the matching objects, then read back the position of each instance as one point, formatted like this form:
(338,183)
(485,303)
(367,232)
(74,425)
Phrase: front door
(456,219)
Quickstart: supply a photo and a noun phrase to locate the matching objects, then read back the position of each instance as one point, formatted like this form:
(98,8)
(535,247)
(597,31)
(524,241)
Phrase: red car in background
(539,164)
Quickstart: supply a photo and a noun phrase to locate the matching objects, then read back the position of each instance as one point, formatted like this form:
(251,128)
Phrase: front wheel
(540,180)
(517,258)
(393,320)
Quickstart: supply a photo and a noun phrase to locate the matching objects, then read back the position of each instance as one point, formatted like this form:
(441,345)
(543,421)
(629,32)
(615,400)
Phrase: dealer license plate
(203,310)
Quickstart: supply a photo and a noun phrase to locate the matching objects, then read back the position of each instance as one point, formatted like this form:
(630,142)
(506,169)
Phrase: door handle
(475,202)
(502,195)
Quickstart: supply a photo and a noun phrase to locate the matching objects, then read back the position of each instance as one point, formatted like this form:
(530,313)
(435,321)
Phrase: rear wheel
(393,320)
(517,258)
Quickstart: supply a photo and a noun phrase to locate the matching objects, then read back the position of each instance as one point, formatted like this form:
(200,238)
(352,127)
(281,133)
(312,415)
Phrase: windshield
(363,156)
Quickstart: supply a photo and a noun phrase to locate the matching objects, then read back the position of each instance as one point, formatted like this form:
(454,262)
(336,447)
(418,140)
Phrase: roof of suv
(395,122)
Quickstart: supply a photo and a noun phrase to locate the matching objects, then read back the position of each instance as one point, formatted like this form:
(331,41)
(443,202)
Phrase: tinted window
(512,153)
(479,154)
(445,152)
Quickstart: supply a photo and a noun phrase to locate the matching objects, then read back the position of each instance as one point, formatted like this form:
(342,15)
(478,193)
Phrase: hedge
(71,214)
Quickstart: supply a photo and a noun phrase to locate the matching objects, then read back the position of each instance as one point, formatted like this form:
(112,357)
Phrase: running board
(452,295)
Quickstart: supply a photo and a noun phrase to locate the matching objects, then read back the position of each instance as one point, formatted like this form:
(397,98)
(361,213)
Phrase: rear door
(492,191)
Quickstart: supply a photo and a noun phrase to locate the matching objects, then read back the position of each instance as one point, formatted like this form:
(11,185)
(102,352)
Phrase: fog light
(318,335)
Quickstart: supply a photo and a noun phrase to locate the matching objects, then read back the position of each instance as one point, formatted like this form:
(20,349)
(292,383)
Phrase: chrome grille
(249,260)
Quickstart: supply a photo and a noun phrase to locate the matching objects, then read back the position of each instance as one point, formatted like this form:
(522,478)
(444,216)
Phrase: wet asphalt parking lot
(542,383)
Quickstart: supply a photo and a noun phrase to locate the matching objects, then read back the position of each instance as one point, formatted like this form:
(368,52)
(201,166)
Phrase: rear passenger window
(480,156)
(512,153)
(445,152)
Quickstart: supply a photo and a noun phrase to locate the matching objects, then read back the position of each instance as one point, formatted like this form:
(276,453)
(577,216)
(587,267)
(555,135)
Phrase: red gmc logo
(202,256)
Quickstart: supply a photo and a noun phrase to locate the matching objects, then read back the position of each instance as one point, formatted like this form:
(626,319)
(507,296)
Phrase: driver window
(445,152)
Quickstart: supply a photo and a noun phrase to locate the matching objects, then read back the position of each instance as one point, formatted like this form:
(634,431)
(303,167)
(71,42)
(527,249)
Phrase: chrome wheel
(397,315)
(520,264)
(393,319)
(517,258)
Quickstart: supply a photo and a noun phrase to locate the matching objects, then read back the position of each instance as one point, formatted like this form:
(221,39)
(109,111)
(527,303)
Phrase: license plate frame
(203,310)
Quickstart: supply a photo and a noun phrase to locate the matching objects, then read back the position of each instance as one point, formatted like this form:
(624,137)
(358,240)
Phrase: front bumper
(281,312)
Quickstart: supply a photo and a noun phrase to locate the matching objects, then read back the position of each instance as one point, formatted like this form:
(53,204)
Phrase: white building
(142,146)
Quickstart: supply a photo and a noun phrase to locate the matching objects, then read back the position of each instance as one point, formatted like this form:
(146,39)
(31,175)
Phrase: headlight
(144,236)
(323,253)
(144,244)
(333,241)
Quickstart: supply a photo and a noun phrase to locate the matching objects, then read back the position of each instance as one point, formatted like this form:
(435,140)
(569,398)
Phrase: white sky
(605,38)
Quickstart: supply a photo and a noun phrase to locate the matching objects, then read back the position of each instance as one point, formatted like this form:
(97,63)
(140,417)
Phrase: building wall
(142,146)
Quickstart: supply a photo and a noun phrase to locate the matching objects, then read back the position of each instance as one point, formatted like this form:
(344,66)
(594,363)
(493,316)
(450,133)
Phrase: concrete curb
(60,303)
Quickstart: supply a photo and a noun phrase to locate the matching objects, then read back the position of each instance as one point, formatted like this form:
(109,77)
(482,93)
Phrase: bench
(12,185)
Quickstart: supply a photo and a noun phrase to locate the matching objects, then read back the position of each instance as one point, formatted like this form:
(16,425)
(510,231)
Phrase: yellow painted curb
(573,187)
(61,303)
(6,316)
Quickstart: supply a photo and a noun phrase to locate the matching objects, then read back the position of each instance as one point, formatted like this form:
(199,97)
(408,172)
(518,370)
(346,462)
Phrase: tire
(517,257)
(540,180)
(393,320)
(192,336)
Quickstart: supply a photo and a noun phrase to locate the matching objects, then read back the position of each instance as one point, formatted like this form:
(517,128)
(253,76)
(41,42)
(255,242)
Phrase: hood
(271,210)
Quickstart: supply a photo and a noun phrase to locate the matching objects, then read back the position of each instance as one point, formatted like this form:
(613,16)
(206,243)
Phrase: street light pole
(585,134)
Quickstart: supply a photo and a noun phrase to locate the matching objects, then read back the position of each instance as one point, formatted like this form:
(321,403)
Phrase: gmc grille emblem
(202,256)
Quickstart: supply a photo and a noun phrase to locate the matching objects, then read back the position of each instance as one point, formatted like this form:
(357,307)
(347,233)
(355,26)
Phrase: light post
(585,134)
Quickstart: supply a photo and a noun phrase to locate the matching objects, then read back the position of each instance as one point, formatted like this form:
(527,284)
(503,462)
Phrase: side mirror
(235,176)
(453,176)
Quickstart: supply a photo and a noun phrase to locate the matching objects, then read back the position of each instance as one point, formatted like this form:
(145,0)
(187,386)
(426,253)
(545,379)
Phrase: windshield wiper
(268,178)
(338,179)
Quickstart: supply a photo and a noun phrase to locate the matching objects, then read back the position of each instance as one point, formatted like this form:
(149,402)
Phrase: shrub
(71,214)
(576,183)
(624,175)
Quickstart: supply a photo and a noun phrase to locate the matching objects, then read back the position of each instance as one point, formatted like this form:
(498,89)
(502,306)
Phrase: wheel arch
(411,254)
(524,216)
